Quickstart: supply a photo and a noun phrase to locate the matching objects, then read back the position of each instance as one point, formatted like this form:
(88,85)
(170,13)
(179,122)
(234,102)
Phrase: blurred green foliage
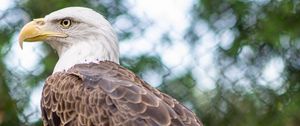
(261,30)
(269,29)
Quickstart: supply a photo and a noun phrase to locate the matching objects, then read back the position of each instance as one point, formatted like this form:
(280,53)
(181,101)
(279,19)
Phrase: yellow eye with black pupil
(66,23)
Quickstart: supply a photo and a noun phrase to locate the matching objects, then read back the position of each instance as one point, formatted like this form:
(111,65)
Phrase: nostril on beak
(40,22)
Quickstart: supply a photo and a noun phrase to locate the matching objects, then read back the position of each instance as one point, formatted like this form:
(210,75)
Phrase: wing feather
(106,94)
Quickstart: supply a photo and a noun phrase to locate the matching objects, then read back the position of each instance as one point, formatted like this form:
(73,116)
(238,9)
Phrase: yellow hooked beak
(36,30)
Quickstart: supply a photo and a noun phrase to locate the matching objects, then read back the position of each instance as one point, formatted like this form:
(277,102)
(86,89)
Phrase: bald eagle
(88,87)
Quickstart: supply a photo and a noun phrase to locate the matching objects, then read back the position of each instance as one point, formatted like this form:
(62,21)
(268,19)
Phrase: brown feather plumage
(106,94)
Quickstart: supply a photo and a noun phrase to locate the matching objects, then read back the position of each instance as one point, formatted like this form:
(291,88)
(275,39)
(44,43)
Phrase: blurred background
(233,62)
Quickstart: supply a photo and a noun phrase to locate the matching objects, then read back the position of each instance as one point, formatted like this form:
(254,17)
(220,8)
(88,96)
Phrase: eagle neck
(86,52)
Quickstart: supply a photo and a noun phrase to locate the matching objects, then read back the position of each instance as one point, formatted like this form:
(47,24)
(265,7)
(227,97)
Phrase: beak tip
(21,38)
(21,45)
(20,42)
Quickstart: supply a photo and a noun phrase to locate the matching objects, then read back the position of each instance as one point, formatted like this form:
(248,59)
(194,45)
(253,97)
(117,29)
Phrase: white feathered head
(78,35)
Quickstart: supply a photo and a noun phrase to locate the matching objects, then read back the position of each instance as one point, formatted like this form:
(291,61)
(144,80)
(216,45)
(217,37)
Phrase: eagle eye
(65,23)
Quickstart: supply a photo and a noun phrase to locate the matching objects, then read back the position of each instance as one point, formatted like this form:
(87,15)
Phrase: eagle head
(77,34)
